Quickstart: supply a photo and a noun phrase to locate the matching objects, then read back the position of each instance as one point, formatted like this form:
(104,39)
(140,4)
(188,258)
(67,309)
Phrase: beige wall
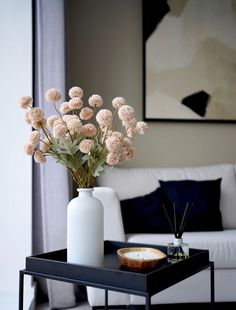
(106,58)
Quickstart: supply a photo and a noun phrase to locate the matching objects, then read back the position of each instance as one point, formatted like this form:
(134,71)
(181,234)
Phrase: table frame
(147,294)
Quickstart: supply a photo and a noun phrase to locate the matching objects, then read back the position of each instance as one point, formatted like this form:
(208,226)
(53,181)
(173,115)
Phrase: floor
(202,306)
(82,306)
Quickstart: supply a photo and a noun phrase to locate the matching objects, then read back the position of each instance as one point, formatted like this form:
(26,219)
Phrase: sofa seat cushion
(221,244)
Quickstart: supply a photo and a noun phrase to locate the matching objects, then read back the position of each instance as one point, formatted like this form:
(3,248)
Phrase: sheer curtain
(52,187)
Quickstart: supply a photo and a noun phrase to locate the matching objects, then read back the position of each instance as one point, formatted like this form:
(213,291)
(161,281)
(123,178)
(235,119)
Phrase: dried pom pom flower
(86,145)
(25,102)
(34,137)
(118,102)
(59,131)
(75,103)
(40,124)
(58,122)
(67,118)
(64,108)
(74,125)
(51,120)
(113,144)
(129,153)
(127,142)
(45,145)
(29,149)
(95,101)
(112,159)
(27,118)
(38,157)
(36,114)
(104,117)
(118,135)
(86,114)
(131,131)
(126,113)
(76,92)
(141,127)
(89,130)
(67,139)
(53,95)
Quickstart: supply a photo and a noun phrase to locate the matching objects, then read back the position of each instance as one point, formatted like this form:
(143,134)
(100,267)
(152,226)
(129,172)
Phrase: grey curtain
(52,187)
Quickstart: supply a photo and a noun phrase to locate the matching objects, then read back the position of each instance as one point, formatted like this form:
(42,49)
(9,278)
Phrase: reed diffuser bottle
(177,249)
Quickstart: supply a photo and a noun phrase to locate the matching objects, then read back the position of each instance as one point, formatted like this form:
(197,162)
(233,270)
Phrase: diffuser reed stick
(177,229)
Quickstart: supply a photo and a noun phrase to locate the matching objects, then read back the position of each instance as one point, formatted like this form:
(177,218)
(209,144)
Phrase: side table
(113,276)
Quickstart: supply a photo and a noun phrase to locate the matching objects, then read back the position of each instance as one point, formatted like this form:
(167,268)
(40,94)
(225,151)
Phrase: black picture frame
(196,103)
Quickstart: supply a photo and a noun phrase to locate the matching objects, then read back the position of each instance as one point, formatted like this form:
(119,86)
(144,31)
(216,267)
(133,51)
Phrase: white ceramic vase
(85,232)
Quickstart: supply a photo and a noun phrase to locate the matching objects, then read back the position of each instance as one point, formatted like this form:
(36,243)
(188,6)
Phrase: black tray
(113,274)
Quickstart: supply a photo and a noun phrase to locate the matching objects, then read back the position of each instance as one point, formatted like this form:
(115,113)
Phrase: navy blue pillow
(205,214)
(145,214)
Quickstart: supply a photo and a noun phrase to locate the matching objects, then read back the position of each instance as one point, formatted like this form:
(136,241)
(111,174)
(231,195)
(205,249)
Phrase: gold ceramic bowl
(140,258)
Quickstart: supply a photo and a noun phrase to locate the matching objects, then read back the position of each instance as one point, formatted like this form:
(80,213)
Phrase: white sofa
(123,183)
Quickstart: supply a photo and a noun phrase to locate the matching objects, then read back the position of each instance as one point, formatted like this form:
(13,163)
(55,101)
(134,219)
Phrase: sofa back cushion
(146,214)
(134,182)
(203,198)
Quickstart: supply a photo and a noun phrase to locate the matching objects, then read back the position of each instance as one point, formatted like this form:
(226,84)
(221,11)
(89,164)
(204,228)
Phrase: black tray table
(113,276)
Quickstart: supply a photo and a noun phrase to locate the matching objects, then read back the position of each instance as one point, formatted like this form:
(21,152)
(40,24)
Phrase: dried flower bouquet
(84,139)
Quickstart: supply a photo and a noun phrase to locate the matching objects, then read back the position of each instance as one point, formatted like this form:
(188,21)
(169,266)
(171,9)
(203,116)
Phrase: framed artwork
(189,49)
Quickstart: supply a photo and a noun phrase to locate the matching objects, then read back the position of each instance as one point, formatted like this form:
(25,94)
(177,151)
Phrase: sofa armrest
(113,223)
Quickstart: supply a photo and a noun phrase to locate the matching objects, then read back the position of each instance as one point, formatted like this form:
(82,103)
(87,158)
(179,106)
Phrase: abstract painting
(189,60)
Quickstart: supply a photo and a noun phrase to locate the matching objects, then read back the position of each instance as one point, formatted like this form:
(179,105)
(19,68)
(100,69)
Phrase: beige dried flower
(40,124)
(126,113)
(86,145)
(53,95)
(45,145)
(74,125)
(64,108)
(67,118)
(113,144)
(67,139)
(129,153)
(25,102)
(141,127)
(86,114)
(51,120)
(131,131)
(89,130)
(112,159)
(27,118)
(118,102)
(34,137)
(117,134)
(58,122)
(38,157)
(59,131)
(95,101)
(104,117)
(75,103)
(29,149)
(36,114)
(76,92)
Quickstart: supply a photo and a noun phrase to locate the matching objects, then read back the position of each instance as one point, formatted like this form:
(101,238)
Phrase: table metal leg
(148,302)
(21,290)
(212,280)
(106,299)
